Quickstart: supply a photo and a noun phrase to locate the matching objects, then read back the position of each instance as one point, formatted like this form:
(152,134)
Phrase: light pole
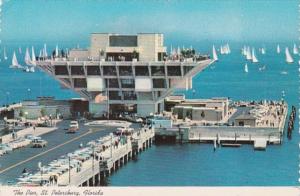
(41,169)
(7,97)
(69,169)
(93,147)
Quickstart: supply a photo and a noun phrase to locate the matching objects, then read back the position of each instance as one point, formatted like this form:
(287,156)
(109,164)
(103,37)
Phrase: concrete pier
(106,162)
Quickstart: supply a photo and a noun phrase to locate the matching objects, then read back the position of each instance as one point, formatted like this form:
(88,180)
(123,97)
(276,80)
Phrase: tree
(134,54)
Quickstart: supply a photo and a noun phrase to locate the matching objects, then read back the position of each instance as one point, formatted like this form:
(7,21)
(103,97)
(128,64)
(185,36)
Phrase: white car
(74,126)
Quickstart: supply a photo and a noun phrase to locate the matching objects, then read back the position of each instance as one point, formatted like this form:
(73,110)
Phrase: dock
(94,163)
(260,134)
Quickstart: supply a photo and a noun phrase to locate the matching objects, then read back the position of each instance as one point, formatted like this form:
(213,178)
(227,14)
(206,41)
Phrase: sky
(70,20)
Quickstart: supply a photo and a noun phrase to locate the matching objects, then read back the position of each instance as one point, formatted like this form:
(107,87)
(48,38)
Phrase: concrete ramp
(260,144)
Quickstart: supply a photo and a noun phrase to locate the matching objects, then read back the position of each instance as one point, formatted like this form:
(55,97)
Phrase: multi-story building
(125,73)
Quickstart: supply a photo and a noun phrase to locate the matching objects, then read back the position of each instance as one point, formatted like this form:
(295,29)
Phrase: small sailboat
(278,49)
(222,50)
(254,59)
(263,50)
(56,51)
(4,54)
(33,58)
(45,54)
(288,57)
(295,49)
(246,68)
(228,48)
(27,57)
(215,56)
(248,55)
(20,50)
(15,64)
(31,69)
(262,68)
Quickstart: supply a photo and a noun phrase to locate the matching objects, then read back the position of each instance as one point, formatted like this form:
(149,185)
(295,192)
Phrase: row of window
(125,83)
(123,70)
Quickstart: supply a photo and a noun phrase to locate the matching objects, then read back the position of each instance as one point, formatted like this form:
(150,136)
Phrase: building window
(174,70)
(127,83)
(159,83)
(123,40)
(125,71)
(80,83)
(61,70)
(129,95)
(115,95)
(186,69)
(109,71)
(112,83)
(161,56)
(141,71)
(158,70)
(77,70)
(93,71)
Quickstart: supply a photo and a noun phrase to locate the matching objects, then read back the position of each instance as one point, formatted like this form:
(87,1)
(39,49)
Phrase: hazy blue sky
(44,20)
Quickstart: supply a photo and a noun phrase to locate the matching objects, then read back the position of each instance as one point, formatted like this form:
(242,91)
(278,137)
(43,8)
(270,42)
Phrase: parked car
(38,143)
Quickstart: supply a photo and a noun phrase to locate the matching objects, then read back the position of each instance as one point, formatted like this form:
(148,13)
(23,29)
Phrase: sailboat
(246,68)
(215,56)
(4,54)
(278,49)
(222,50)
(263,50)
(228,48)
(45,54)
(20,50)
(33,58)
(27,57)
(15,63)
(248,55)
(288,57)
(254,59)
(295,49)
(56,51)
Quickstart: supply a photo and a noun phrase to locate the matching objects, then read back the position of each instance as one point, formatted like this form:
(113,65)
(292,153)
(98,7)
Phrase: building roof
(245,117)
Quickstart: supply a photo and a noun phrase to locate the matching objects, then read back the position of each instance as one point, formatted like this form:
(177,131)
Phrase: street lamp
(41,169)
(69,156)
(7,96)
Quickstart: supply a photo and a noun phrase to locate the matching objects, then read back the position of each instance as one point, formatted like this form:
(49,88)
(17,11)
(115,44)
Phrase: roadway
(59,143)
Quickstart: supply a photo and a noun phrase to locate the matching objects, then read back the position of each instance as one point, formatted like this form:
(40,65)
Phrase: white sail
(4,54)
(246,68)
(221,50)
(254,59)
(41,54)
(56,51)
(20,50)
(31,69)
(215,56)
(15,63)
(33,59)
(228,48)
(295,49)
(263,50)
(45,54)
(248,55)
(244,50)
(288,57)
(27,57)
(178,51)
(278,49)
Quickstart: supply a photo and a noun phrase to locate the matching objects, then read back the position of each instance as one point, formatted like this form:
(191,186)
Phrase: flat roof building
(122,74)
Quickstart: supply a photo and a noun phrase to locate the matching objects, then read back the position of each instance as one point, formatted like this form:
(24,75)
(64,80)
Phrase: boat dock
(268,129)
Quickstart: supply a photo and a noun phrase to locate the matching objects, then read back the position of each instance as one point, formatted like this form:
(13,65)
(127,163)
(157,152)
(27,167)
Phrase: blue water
(197,164)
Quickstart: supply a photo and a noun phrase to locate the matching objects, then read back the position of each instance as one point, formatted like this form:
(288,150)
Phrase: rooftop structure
(125,73)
